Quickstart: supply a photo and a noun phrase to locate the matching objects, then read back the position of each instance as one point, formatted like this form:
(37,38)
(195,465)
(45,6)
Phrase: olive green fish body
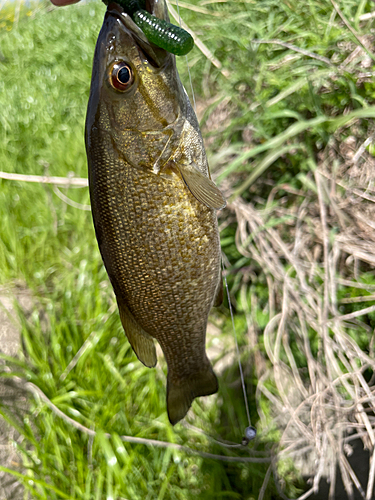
(154,207)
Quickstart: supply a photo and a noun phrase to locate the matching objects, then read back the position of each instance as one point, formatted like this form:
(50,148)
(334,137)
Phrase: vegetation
(287,118)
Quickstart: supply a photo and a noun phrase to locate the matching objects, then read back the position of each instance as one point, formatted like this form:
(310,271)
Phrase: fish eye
(121,76)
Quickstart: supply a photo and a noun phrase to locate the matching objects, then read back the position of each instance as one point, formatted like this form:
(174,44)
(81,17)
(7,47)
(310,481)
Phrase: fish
(154,204)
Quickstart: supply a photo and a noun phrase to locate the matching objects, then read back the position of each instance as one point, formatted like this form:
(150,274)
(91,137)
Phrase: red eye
(121,76)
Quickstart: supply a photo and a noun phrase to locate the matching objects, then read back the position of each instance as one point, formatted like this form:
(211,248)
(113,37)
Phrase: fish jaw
(156,98)
(143,124)
(154,54)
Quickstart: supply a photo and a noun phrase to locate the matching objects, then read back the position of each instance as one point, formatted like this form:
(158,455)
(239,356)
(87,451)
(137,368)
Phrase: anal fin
(142,344)
(201,187)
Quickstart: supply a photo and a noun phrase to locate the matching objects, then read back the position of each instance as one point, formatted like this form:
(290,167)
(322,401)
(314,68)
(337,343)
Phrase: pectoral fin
(141,342)
(201,187)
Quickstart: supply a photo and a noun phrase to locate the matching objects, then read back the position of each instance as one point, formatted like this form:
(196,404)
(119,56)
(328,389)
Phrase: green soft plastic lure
(163,34)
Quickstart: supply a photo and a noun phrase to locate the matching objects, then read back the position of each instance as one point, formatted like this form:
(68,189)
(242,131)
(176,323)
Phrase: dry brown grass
(317,253)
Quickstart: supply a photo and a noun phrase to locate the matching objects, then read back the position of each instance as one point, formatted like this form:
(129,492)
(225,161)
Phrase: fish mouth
(149,52)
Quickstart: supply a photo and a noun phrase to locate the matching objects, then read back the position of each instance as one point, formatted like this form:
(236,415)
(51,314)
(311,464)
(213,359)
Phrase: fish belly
(162,252)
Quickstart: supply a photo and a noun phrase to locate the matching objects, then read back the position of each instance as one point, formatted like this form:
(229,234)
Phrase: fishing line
(187,63)
(250,431)
(220,442)
(39,395)
(191,84)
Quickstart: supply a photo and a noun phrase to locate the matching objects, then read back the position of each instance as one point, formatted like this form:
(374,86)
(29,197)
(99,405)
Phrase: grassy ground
(295,79)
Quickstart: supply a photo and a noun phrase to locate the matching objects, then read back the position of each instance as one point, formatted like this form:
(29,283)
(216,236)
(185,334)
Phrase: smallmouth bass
(153,204)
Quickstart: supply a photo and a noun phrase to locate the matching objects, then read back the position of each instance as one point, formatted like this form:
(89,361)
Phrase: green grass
(280,110)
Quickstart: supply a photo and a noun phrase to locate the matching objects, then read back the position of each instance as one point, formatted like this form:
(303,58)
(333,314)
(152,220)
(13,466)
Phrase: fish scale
(154,210)
(138,231)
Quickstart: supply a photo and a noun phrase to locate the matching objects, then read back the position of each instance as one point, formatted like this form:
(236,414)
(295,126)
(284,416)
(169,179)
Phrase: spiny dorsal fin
(141,342)
(201,187)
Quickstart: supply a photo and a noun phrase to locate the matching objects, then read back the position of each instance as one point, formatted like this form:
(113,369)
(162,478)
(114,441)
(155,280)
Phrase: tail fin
(181,394)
